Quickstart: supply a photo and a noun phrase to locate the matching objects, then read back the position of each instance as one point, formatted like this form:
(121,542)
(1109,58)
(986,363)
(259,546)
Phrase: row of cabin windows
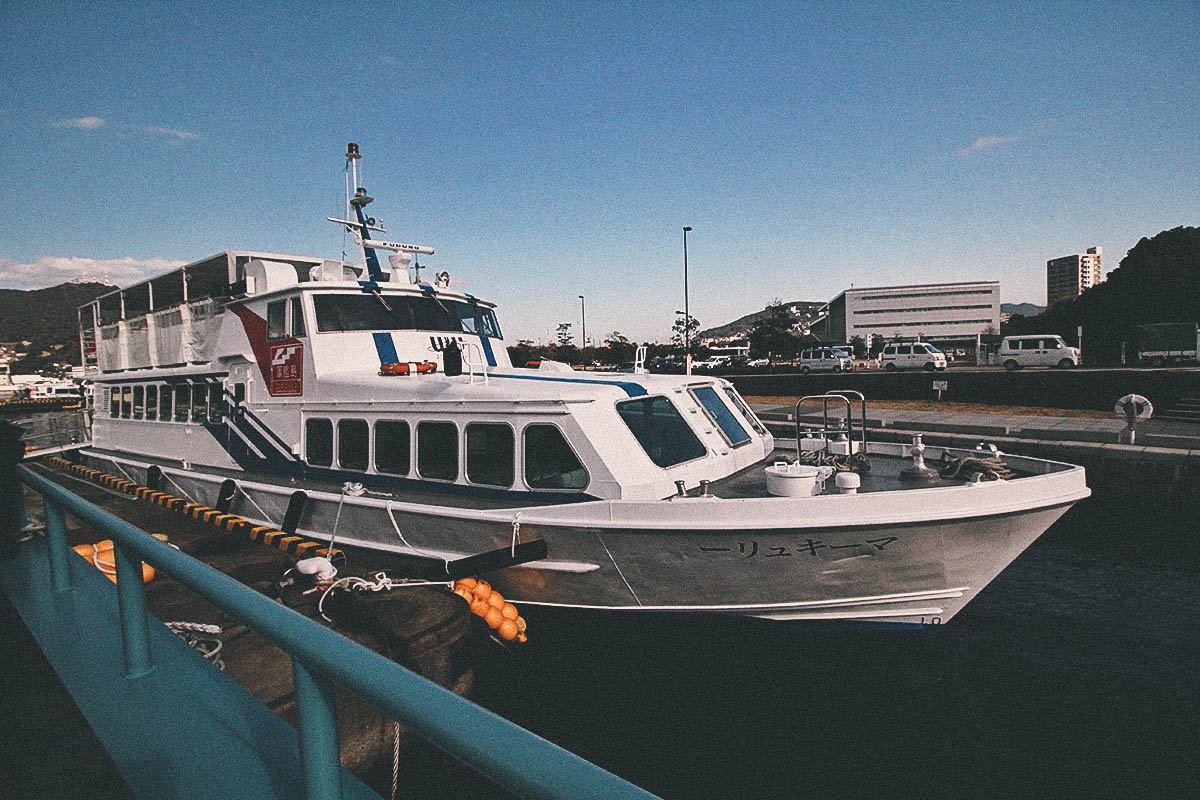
(196,402)
(550,463)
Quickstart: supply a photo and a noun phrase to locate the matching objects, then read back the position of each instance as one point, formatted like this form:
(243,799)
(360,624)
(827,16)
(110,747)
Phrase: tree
(774,335)
(620,349)
(859,345)
(682,334)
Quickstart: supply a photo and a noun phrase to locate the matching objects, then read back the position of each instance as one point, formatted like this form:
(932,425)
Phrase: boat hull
(902,571)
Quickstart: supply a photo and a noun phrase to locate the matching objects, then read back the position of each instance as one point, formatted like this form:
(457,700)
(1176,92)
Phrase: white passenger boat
(391,403)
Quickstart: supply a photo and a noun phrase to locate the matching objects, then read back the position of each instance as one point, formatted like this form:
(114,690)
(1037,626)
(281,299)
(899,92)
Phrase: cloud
(53,270)
(987,143)
(182,136)
(82,123)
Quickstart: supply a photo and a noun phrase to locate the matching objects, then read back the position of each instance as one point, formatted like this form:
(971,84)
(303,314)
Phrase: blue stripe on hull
(630,388)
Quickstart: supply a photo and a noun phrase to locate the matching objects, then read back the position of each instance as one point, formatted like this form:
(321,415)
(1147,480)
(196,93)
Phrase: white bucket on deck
(792,480)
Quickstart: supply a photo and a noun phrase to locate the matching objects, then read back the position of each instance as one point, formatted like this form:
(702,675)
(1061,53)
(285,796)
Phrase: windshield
(840,354)
(931,349)
(365,312)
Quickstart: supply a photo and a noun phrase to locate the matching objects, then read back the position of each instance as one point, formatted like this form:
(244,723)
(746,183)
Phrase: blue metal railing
(507,754)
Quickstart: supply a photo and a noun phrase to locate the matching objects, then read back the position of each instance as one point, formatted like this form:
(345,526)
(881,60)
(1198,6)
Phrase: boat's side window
(277,319)
(745,409)
(164,403)
(139,402)
(297,317)
(660,431)
(437,450)
(550,463)
(491,450)
(126,401)
(152,401)
(318,442)
(392,446)
(182,397)
(114,402)
(216,402)
(353,444)
(733,431)
(199,402)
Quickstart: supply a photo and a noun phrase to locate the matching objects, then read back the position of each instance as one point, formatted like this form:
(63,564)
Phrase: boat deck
(884,476)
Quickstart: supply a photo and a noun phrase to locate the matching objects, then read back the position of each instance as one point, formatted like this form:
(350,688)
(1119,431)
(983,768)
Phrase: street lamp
(583,317)
(687,316)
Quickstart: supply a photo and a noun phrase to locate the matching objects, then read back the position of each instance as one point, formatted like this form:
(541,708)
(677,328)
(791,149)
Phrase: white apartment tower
(1069,276)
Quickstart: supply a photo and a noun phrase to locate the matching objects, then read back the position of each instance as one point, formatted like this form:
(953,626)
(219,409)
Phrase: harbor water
(1074,674)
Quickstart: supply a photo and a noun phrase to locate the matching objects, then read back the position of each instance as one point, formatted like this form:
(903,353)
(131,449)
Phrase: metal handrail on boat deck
(502,751)
(844,396)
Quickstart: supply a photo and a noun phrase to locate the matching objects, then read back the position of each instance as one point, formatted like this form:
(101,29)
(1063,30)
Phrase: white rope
(516,533)
(208,646)
(395,758)
(379,582)
(426,553)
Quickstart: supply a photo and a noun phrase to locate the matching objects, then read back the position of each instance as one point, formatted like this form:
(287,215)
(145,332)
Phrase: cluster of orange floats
(101,556)
(486,602)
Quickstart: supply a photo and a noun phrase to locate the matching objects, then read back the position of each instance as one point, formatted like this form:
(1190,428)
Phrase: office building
(947,312)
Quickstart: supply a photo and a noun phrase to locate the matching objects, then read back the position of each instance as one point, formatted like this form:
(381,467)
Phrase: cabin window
(490,452)
(318,442)
(745,409)
(437,450)
(660,431)
(359,312)
(216,402)
(139,402)
(164,404)
(297,317)
(392,446)
(114,402)
(126,401)
(181,402)
(550,463)
(199,402)
(904,350)
(732,430)
(277,319)
(354,442)
(152,401)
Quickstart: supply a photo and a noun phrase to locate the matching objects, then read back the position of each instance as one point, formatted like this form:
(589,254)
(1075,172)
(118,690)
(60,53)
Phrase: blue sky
(554,149)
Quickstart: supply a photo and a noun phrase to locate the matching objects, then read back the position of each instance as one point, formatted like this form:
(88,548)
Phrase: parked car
(825,359)
(914,355)
(1037,351)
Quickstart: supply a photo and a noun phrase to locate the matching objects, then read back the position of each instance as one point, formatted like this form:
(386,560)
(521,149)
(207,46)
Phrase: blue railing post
(318,734)
(131,598)
(56,533)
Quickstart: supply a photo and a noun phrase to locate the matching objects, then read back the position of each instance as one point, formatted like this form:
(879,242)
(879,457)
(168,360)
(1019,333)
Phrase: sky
(549,150)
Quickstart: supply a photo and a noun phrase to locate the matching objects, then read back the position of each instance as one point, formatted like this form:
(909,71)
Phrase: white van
(1037,351)
(912,355)
(825,359)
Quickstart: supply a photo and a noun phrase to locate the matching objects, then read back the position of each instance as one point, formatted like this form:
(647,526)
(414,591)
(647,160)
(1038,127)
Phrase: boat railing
(473,359)
(322,659)
(833,427)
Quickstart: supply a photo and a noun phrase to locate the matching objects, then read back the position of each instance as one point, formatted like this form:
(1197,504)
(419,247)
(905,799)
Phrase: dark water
(1076,673)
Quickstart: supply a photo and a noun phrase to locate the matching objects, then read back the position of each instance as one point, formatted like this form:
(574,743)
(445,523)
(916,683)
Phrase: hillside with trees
(1157,281)
(47,319)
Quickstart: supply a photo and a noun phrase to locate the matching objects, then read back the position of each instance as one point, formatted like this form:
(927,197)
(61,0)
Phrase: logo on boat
(287,370)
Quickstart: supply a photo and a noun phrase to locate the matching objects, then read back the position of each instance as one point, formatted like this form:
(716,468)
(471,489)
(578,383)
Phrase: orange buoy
(104,544)
(510,612)
(480,607)
(482,590)
(85,550)
(466,583)
(508,630)
(494,618)
(496,600)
